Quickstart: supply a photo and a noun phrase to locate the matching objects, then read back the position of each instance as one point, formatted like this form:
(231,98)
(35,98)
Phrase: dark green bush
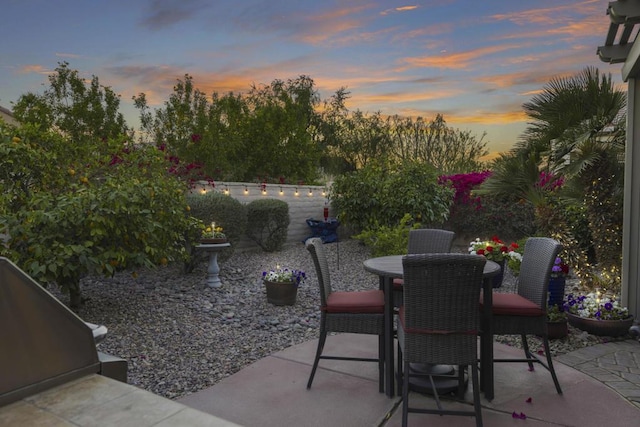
(375,196)
(267,223)
(225,211)
(507,217)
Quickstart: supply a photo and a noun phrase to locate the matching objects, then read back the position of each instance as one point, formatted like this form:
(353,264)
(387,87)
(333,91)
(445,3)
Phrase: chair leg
(547,351)
(461,370)
(381,363)
(527,353)
(321,341)
(405,394)
(476,394)
(400,373)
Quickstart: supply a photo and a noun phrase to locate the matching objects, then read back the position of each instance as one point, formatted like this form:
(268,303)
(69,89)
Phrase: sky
(476,62)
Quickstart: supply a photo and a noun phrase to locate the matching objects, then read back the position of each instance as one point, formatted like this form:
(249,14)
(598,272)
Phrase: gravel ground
(180,336)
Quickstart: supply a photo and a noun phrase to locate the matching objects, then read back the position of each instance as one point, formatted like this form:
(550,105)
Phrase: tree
(447,149)
(263,134)
(92,205)
(74,108)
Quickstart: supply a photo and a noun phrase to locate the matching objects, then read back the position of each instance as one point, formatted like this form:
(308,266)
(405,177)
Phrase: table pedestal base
(445,379)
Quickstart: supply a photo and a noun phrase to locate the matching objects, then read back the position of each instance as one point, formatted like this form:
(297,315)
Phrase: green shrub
(375,196)
(225,211)
(389,240)
(268,221)
(114,209)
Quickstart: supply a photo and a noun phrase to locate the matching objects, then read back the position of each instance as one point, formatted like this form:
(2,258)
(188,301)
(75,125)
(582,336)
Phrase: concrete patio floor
(272,393)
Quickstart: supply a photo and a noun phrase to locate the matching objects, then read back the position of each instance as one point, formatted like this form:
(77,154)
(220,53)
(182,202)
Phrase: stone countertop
(96,400)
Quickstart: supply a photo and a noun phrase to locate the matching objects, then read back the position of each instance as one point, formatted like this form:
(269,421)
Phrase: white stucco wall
(309,202)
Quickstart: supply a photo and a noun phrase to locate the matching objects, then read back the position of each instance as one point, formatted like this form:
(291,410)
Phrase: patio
(271,392)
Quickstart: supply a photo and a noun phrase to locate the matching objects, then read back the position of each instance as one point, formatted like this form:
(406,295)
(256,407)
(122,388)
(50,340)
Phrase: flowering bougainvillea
(550,181)
(463,183)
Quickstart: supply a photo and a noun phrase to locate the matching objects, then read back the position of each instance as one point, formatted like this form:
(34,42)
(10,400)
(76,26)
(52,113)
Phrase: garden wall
(305,201)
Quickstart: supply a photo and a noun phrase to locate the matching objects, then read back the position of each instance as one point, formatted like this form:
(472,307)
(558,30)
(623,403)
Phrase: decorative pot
(213,241)
(281,293)
(609,328)
(556,290)
(557,329)
(497,279)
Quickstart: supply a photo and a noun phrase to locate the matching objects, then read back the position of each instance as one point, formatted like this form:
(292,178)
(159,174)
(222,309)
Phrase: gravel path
(179,336)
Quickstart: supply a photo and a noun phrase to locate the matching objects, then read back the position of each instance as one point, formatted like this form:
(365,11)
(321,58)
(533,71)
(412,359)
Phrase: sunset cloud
(475,62)
(34,68)
(457,60)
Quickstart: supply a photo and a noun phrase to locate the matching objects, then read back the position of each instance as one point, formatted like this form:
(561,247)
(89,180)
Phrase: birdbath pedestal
(213,280)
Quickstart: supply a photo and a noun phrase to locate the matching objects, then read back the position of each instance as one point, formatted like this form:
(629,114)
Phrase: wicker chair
(525,313)
(439,321)
(424,241)
(360,312)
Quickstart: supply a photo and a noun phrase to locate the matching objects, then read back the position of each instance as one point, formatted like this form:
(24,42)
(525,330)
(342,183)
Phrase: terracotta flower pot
(609,328)
(281,293)
(557,329)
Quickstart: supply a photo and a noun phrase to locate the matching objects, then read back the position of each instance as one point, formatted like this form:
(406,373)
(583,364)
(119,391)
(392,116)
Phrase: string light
(246,190)
(296,192)
(226,190)
(264,191)
(203,191)
(324,192)
(281,192)
(310,192)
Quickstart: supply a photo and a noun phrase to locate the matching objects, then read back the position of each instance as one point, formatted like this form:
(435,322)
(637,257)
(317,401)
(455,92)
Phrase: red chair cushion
(513,305)
(397,284)
(355,302)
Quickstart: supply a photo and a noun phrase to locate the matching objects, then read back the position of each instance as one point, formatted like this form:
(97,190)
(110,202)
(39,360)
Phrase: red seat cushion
(355,302)
(513,305)
(397,284)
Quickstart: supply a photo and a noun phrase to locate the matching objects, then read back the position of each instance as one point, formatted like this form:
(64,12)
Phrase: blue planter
(556,290)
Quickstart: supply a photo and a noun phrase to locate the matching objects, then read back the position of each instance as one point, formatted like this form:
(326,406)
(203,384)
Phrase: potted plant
(282,285)
(556,322)
(598,314)
(213,234)
(494,250)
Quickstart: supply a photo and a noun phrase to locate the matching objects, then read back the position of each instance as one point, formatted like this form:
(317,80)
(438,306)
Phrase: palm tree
(576,130)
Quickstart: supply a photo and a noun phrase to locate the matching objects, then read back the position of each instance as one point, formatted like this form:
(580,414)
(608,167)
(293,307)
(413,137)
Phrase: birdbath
(213,280)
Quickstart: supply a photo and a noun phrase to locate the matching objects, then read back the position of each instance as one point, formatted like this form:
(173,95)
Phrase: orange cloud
(552,16)
(399,9)
(38,69)
(68,55)
(457,60)
(490,118)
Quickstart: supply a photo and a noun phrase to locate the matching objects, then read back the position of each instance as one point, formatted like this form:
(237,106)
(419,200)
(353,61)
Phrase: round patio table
(389,268)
